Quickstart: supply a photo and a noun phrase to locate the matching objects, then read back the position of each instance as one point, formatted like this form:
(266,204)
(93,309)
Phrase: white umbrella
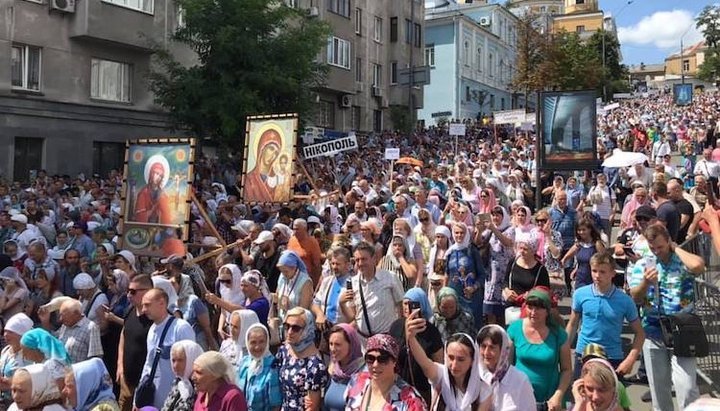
(621,158)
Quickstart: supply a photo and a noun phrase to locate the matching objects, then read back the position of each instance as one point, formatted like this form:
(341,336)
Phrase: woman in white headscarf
(34,388)
(499,235)
(11,357)
(16,293)
(234,348)
(230,296)
(456,388)
(257,378)
(182,394)
(165,285)
(399,261)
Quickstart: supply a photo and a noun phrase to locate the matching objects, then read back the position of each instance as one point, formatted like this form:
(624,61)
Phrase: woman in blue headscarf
(88,387)
(41,347)
(303,374)
(295,288)
(429,339)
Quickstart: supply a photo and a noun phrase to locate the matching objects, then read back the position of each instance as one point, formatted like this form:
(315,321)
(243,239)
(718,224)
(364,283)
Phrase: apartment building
(73,82)
(372,42)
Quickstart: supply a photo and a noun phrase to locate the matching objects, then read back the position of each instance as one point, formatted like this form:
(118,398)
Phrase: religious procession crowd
(430,286)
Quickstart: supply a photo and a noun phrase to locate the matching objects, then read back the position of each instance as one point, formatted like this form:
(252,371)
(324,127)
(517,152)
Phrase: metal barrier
(707,305)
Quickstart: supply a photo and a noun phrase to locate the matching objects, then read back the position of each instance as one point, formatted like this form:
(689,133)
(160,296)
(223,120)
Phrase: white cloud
(662,29)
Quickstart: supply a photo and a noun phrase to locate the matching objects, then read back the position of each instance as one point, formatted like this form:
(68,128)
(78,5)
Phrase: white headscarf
(165,285)
(44,386)
(247,319)
(460,246)
(19,324)
(256,364)
(444,231)
(233,293)
(192,350)
(474,387)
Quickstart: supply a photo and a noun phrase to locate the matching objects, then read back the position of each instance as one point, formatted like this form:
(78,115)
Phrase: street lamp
(682,56)
(629,2)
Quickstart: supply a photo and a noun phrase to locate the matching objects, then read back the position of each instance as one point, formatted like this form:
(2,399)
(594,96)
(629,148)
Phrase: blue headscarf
(417,295)
(291,259)
(46,343)
(308,334)
(93,384)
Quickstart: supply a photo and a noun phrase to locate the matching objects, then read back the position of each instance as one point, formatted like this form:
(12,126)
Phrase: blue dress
(467,260)
(583,274)
(335,396)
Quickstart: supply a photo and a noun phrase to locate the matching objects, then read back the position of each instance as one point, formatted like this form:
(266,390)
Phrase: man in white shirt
(709,169)
(155,307)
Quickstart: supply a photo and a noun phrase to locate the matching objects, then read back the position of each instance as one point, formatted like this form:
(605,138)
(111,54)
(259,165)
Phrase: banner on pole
(509,116)
(330,148)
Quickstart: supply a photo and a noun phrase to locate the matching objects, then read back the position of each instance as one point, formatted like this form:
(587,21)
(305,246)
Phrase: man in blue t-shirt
(603,308)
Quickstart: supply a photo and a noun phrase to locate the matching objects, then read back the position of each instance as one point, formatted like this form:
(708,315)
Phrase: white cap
(19,218)
(264,237)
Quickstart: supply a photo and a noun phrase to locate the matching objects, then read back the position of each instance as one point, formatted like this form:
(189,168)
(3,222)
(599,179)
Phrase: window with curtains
(146,6)
(341,7)
(25,63)
(110,80)
(338,52)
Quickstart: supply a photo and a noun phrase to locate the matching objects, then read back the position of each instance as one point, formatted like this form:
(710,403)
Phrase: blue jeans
(665,370)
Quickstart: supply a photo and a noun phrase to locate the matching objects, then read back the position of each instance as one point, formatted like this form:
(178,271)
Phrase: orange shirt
(309,251)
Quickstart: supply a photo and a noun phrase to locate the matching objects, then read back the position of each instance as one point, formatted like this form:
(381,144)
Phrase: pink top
(227,397)
(716,154)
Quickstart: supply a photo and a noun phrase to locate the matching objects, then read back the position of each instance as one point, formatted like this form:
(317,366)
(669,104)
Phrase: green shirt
(540,362)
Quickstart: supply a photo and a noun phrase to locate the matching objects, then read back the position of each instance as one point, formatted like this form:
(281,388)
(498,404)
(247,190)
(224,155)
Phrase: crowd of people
(429,287)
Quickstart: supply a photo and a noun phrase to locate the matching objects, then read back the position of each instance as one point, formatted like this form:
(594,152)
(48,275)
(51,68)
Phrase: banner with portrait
(683,94)
(156,193)
(568,130)
(268,166)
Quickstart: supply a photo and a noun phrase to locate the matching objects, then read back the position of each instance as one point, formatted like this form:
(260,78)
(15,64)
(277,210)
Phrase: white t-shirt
(485,390)
(604,208)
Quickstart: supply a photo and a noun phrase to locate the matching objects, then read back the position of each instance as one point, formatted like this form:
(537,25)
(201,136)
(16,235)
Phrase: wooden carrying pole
(208,221)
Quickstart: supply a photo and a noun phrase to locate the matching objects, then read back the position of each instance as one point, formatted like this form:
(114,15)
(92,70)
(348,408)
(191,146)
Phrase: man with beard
(70,267)
(265,258)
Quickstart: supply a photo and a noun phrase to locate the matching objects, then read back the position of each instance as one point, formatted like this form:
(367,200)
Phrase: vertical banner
(157,183)
(568,130)
(268,173)
(683,94)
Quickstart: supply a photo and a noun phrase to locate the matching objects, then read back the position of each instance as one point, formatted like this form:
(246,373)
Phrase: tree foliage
(530,47)
(253,57)
(709,22)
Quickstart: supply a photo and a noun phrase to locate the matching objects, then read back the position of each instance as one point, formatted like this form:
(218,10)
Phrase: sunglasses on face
(642,219)
(424,220)
(293,327)
(541,220)
(225,281)
(435,283)
(483,195)
(382,359)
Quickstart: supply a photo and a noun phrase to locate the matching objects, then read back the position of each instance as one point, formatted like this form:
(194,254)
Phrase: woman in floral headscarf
(346,360)
(379,387)
(511,389)
(88,387)
(449,317)
(499,236)
(35,388)
(303,374)
(400,262)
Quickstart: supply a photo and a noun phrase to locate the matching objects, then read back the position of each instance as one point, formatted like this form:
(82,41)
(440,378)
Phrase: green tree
(616,74)
(531,47)
(253,56)
(709,22)
(570,64)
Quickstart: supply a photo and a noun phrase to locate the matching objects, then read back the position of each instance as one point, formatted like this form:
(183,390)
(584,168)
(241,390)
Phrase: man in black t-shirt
(667,213)
(684,207)
(133,342)
(266,258)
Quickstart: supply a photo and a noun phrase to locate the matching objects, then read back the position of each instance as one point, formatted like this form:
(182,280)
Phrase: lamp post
(629,2)
(682,56)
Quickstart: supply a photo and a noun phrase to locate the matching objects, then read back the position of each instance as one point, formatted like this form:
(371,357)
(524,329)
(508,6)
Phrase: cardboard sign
(330,148)
(392,153)
(509,117)
(457,129)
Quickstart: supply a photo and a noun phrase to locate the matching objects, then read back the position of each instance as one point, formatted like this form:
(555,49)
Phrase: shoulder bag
(683,332)
(365,313)
(145,392)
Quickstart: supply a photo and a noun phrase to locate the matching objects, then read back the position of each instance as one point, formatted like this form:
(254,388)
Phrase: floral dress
(298,376)
(403,397)
(500,257)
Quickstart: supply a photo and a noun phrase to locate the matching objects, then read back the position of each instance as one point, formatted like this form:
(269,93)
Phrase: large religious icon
(158,178)
(269,158)
(683,94)
(567,122)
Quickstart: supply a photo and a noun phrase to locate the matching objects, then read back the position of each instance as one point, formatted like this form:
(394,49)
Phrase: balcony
(108,22)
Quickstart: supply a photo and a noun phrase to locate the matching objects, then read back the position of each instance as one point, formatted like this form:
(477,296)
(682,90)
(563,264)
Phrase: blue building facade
(471,52)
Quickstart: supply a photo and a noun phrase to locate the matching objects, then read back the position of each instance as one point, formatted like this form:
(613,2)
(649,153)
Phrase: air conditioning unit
(384,102)
(346,101)
(313,11)
(484,21)
(377,92)
(359,86)
(65,6)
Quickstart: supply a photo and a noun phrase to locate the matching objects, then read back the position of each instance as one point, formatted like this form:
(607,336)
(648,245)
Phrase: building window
(326,114)
(579,1)
(417,35)
(393,29)
(110,80)
(28,156)
(358,69)
(377,121)
(358,21)
(580,29)
(25,61)
(355,114)
(468,95)
(107,156)
(393,72)
(491,68)
(146,6)
(292,3)
(430,55)
(492,101)
(479,59)
(377,75)
(338,52)
(341,7)
(502,103)
(686,65)
(378,29)
(466,53)
(408,31)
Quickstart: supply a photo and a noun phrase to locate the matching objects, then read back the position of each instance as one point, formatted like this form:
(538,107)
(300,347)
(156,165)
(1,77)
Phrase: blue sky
(650,30)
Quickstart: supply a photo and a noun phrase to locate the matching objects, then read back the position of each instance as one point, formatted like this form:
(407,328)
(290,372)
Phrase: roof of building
(688,51)
(647,68)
